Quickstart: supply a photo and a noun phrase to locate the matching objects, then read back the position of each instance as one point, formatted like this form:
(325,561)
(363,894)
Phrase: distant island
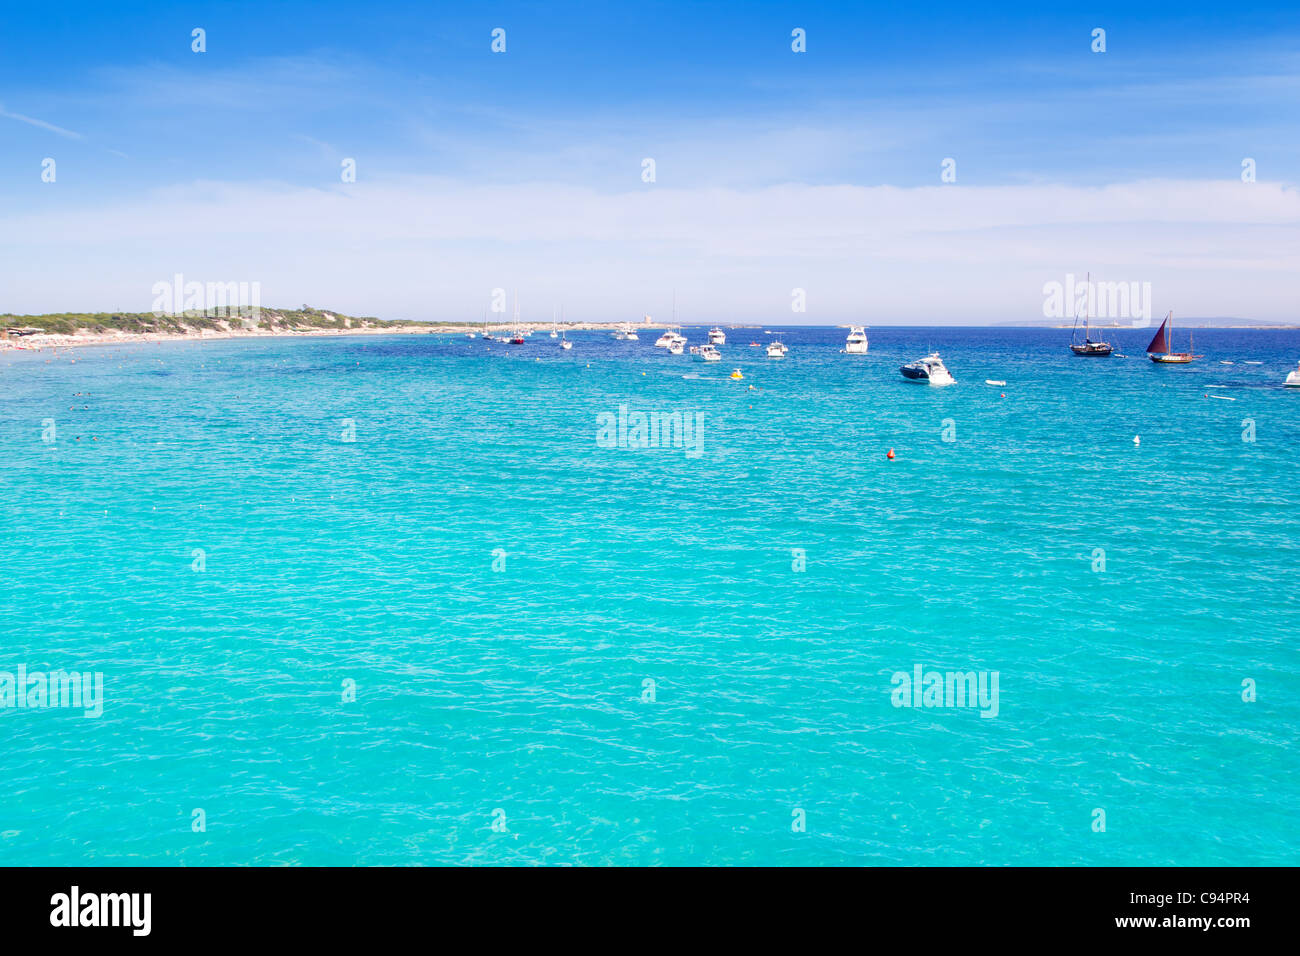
(1191,322)
(116,324)
(64,329)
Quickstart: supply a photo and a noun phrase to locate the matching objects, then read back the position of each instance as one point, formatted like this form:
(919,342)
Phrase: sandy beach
(41,341)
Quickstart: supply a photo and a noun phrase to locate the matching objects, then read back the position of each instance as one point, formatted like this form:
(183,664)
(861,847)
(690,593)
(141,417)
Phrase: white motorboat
(856,343)
(776,350)
(1293,380)
(707,353)
(677,346)
(929,369)
(668,338)
(717,336)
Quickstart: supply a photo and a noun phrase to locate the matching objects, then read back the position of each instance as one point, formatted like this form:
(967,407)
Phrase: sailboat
(564,340)
(1159,349)
(517,335)
(1088,347)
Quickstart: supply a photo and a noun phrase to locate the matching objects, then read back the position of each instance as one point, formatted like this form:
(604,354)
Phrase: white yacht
(564,342)
(856,343)
(630,334)
(677,346)
(707,353)
(929,369)
(670,336)
(776,350)
(717,336)
(1293,380)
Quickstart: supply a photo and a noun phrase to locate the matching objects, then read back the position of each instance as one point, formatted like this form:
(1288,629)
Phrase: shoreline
(42,341)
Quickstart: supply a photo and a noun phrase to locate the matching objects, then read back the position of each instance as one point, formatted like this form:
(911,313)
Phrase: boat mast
(1087,309)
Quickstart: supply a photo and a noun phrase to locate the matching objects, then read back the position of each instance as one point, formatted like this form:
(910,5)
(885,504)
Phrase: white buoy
(1137,439)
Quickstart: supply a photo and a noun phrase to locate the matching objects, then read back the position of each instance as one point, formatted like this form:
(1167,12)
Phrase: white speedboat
(776,350)
(677,346)
(717,336)
(856,343)
(665,340)
(1293,380)
(929,369)
(630,334)
(707,353)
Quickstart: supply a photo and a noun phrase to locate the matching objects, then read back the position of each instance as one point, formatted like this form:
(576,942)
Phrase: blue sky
(774,170)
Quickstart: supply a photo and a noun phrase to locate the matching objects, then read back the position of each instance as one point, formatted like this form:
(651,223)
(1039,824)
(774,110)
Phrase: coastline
(42,341)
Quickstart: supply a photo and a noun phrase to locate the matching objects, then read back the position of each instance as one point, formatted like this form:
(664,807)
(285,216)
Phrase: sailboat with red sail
(1160,348)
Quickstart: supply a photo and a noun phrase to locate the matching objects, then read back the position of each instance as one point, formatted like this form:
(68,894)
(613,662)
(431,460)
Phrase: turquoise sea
(498,589)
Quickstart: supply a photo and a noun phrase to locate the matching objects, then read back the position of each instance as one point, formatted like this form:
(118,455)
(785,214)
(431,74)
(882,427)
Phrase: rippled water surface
(500,588)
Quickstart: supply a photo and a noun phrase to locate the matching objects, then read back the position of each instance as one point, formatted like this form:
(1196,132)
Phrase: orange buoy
(890,456)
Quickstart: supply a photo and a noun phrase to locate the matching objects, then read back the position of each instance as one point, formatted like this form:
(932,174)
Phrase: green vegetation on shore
(137,323)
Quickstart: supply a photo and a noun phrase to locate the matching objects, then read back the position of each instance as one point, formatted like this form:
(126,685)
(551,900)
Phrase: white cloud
(39,123)
(432,248)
